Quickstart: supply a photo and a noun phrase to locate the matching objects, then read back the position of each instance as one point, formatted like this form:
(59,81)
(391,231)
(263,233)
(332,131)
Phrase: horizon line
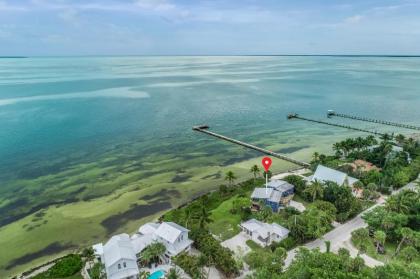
(211,55)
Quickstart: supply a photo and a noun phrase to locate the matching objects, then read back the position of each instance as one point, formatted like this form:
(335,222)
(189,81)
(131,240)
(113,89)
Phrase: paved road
(341,235)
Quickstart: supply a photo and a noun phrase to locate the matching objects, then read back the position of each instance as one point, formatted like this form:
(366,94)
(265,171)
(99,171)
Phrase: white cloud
(155,5)
(353,19)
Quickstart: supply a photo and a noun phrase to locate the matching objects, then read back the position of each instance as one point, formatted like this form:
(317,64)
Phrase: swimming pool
(157,275)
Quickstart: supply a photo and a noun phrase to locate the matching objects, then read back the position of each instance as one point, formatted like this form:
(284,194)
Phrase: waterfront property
(262,233)
(121,252)
(120,258)
(277,195)
(324,174)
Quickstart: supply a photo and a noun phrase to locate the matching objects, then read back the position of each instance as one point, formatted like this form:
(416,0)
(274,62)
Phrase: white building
(173,236)
(324,174)
(120,258)
(119,254)
(262,233)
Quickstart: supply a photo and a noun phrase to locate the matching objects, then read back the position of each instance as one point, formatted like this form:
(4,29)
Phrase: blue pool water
(157,274)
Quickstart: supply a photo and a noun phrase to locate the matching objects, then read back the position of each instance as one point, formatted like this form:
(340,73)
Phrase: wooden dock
(332,113)
(297,116)
(204,129)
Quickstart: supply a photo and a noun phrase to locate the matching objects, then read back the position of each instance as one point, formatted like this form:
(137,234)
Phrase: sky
(208,27)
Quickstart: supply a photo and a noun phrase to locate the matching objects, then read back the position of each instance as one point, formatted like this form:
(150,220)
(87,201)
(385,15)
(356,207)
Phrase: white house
(324,174)
(119,254)
(262,233)
(119,258)
(173,236)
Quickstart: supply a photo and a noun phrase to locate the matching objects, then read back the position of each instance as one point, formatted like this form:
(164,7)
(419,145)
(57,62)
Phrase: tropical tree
(327,246)
(96,272)
(408,254)
(407,236)
(188,215)
(153,253)
(202,217)
(173,274)
(255,170)
(400,139)
(379,237)
(144,274)
(370,140)
(315,157)
(401,202)
(230,176)
(386,137)
(315,189)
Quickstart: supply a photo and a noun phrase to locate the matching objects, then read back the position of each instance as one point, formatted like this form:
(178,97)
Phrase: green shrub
(63,268)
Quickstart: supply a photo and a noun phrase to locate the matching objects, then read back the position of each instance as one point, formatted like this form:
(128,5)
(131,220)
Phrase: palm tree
(202,216)
(315,189)
(407,236)
(400,138)
(338,149)
(144,274)
(315,157)
(153,252)
(401,202)
(386,137)
(255,171)
(173,274)
(370,140)
(379,237)
(188,215)
(230,176)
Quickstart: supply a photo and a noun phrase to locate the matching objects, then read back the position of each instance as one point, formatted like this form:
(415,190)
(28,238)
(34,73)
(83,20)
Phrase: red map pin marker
(266,162)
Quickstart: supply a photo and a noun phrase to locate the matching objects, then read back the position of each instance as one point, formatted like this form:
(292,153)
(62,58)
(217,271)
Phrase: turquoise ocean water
(121,115)
(58,111)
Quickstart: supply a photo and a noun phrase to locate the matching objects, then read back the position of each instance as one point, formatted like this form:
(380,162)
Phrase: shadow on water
(292,149)
(115,222)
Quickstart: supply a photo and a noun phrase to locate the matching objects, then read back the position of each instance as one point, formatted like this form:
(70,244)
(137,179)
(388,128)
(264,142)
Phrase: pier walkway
(407,126)
(204,129)
(297,116)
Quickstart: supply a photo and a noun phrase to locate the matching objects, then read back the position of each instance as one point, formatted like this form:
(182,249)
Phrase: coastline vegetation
(214,217)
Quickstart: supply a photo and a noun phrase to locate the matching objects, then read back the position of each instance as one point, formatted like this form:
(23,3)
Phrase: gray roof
(269,194)
(324,174)
(118,247)
(170,231)
(262,193)
(275,196)
(280,185)
(264,229)
(279,230)
(254,225)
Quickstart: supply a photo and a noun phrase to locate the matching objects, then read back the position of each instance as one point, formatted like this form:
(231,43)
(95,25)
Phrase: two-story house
(277,195)
(119,258)
(120,253)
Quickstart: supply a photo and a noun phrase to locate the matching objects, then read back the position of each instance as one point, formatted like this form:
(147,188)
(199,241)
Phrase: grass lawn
(225,223)
(75,276)
(253,245)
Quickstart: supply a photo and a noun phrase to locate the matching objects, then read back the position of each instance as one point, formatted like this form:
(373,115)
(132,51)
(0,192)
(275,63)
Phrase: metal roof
(118,247)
